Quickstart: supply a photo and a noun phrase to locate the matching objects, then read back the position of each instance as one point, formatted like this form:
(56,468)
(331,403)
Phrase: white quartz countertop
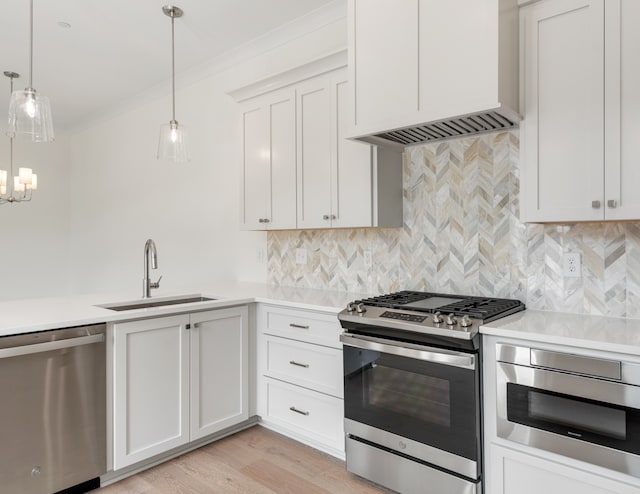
(29,315)
(578,330)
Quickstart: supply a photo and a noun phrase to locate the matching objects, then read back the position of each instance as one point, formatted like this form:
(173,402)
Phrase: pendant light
(29,111)
(172,143)
(18,188)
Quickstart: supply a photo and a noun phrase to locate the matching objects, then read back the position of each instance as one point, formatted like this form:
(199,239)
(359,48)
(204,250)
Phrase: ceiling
(114,49)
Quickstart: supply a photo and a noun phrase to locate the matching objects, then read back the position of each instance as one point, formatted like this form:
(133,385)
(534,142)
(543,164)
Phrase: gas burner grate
(483,308)
(393,300)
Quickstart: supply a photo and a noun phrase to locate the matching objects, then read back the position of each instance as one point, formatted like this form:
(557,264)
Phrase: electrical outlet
(572,265)
(368,258)
(301,256)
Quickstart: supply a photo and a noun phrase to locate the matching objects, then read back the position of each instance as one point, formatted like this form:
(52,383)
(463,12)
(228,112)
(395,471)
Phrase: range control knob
(451,320)
(437,318)
(351,307)
(465,322)
(360,308)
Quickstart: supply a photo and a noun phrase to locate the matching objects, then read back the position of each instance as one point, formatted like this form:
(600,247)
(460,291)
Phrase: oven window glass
(597,422)
(431,403)
(422,398)
(576,414)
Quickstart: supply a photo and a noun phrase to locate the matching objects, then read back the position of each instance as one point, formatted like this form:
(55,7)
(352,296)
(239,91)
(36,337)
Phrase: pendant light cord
(31,47)
(11,147)
(173,69)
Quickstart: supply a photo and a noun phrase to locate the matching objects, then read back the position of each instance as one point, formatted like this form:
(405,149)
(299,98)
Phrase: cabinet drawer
(315,415)
(310,327)
(312,366)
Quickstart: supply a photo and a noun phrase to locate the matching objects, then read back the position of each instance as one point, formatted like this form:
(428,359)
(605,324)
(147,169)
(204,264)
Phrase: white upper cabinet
(299,170)
(269,162)
(341,183)
(622,110)
(419,65)
(582,110)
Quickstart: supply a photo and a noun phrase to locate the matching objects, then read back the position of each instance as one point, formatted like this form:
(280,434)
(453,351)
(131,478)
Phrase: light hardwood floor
(254,461)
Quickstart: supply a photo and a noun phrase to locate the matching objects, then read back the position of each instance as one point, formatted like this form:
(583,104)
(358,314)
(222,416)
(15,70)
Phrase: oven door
(420,401)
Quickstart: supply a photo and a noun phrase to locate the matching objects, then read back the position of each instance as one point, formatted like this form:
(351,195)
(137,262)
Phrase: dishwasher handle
(50,345)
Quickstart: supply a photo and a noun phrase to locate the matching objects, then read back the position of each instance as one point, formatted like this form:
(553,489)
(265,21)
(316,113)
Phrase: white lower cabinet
(515,472)
(299,362)
(177,379)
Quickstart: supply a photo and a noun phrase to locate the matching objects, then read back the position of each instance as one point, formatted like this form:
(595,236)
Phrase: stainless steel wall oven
(412,389)
(578,406)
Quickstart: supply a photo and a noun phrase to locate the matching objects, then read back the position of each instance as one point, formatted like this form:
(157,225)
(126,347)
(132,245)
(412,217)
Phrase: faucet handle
(155,284)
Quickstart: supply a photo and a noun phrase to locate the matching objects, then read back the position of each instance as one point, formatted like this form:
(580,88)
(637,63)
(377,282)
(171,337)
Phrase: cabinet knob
(333,216)
(595,204)
(266,220)
(325,216)
(260,220)
(611,203)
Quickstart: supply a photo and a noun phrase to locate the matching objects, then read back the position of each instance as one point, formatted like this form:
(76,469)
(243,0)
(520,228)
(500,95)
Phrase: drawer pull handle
(293,362)
(299,326)
(301,412)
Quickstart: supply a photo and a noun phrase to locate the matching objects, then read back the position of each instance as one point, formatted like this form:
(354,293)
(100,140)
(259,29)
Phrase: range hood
(428,71)
(475,123)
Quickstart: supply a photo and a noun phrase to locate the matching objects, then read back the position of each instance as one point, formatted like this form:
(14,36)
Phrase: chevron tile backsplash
(461,234)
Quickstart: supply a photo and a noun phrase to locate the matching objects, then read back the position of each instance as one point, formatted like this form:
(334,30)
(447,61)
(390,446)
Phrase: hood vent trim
(453,127)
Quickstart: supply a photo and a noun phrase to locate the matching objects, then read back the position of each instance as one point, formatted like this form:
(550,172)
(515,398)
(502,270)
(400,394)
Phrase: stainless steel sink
(146,304)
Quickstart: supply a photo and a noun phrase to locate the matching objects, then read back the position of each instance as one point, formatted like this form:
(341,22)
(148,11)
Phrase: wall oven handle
(428,354)
(50,345)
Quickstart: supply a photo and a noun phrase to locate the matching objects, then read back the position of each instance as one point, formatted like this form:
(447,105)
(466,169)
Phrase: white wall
(122,195)
(34,236)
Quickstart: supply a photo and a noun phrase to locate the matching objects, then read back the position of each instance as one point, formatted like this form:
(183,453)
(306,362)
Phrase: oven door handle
(439,356)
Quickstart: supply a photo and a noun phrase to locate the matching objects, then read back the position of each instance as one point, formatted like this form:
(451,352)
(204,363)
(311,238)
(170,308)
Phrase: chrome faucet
(150,252)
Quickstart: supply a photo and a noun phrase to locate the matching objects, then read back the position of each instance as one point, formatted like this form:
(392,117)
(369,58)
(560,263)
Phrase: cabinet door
(622,110)
(314,154)
(563,130)
(383,63)
(255,165)
(219,370)
(513,472)
(151,388)
(351,173)
(282,125)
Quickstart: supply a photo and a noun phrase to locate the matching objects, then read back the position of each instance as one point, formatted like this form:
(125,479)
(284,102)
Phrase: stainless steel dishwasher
(53,410)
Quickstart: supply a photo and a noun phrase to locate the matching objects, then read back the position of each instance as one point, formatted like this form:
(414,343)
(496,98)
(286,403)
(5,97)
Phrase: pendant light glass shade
(172,143)
(29,111)
(30,116)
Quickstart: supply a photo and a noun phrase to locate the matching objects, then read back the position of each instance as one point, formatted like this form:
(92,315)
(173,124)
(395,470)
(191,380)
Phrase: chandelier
(17,188)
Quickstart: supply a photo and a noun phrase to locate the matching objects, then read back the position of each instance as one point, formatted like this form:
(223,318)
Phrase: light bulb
(174,135)
(17,186)
(30,105)
(25,175)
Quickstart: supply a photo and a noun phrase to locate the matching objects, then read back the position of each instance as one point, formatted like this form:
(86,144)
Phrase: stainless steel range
(412,389)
